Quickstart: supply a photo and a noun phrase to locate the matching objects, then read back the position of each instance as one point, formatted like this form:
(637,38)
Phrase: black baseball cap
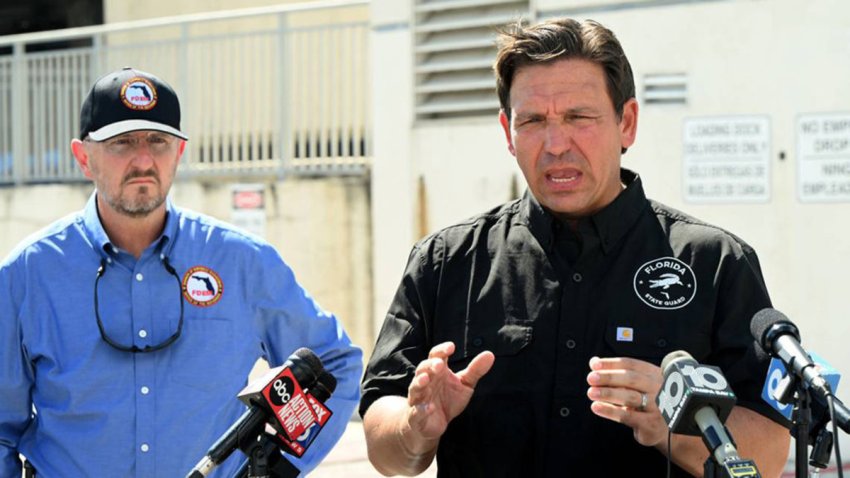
(129,100)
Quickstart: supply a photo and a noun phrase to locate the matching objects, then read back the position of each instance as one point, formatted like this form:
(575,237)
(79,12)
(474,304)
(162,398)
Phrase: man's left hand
(623,390)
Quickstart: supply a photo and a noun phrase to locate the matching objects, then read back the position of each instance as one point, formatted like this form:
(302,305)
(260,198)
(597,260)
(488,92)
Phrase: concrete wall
(393,178)
(773,58)
(321,226)
(121,10)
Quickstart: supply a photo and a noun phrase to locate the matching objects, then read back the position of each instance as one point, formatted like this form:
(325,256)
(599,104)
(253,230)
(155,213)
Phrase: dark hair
(560,39)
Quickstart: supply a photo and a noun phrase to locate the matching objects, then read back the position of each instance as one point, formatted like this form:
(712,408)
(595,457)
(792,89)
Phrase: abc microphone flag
(316,396)
(281,393)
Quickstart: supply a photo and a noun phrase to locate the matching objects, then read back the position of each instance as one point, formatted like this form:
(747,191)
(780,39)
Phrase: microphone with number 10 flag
(695,400)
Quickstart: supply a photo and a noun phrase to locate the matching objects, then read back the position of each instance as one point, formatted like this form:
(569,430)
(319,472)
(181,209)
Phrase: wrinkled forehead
(566,83)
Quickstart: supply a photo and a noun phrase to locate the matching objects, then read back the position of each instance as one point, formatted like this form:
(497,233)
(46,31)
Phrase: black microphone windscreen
(764,320)
(675,356)
(327,380)
(324,386)
(307,355)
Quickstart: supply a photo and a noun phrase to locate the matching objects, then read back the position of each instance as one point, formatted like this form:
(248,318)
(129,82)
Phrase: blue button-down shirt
(75,406)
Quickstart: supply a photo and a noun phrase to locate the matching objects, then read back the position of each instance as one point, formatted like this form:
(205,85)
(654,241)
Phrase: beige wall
(122,10)
(321,226)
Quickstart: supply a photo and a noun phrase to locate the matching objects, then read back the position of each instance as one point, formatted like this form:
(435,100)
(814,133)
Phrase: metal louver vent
(665,88)
(454,47)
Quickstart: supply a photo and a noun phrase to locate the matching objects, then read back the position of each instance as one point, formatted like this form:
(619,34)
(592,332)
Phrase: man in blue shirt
(127,329)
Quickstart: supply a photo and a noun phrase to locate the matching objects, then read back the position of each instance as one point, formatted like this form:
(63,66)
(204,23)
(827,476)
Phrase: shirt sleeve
(16,378)
(742,293)
(288,319)
(403,341)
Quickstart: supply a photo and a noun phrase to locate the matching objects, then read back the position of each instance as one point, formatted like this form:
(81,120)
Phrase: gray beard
(135,209)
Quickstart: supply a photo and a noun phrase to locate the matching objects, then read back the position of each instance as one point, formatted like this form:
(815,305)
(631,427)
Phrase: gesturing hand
(436,394)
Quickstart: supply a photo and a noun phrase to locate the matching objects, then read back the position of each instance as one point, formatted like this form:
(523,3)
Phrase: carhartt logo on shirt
(625,334)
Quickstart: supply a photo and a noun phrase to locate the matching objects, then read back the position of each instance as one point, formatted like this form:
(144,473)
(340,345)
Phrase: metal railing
(264,91)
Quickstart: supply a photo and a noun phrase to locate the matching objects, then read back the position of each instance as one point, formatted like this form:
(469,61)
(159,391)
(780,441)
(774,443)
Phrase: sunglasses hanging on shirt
(147,348)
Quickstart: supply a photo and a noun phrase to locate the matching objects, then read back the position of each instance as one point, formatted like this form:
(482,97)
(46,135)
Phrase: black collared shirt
(637,279)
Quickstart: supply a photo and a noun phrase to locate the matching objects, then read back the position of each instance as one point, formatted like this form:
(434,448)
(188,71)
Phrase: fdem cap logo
(202,286)
(138,93)
(665,283)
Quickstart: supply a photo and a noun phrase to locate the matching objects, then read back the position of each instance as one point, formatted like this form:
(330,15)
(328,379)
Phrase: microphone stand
(265,459)
(801,418)
(805,429)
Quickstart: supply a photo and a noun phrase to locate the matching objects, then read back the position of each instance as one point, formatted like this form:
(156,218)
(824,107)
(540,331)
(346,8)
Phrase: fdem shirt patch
(665,283)
(202,286)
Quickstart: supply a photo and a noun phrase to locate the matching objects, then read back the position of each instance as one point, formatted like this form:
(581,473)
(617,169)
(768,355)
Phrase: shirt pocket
(652,338)
(507,341)
(204,357)
(504,340)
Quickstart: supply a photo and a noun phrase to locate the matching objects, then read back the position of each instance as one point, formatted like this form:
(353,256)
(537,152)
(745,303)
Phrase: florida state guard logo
(665,283)
(202,286)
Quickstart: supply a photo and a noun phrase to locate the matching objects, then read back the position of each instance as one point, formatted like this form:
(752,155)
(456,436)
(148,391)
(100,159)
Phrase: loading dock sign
(823,157)
(726,159)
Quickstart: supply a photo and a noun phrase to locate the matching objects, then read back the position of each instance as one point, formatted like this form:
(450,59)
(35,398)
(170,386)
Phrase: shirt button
(571,344)
(139,277)
(577,277)
(144,447)
(477,341)
(143,333)
(565,412)
(145,390)
(661,343)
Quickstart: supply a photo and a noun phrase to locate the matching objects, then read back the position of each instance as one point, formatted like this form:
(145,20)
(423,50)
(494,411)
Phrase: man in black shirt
(489,358)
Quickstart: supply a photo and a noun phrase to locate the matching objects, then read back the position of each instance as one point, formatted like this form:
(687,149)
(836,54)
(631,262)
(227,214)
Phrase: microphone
(283,396)
(777,391)
(324,387)
(780,338)
(321,391)
(301,369)
(316,397)
(695,400)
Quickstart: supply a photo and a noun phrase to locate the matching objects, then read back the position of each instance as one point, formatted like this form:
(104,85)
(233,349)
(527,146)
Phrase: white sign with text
(823,157)
(726,159)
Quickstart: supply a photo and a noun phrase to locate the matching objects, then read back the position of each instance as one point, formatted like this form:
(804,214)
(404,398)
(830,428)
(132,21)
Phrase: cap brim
(127,126)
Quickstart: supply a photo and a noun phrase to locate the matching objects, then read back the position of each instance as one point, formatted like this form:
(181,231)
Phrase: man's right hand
(402,434)
(437,395)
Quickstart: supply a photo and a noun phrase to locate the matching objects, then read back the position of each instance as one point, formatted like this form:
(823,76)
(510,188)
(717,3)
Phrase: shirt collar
(97,234)
(94,229)
(615,219)
(169,232)
(540,221)
(611,223)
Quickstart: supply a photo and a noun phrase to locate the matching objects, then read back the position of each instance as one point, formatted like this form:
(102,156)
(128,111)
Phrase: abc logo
(281,391)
